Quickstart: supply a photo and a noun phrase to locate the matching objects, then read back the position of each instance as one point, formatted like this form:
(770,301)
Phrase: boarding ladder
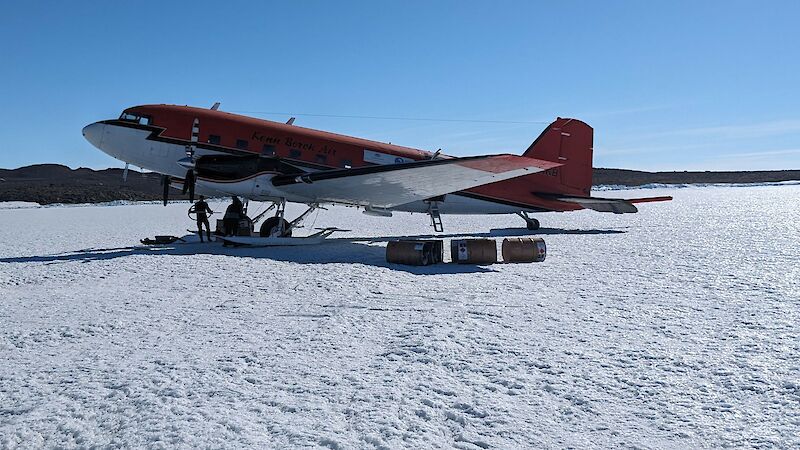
(436,218)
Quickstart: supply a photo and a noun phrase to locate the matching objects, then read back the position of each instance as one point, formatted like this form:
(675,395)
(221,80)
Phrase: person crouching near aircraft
(232,216)
(202,211)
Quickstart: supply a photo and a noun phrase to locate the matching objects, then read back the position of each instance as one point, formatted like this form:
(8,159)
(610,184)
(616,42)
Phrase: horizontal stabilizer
(387,186)
(612,205)
(665,198)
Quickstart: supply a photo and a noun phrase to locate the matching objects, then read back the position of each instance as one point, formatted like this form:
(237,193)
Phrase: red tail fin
(569,142)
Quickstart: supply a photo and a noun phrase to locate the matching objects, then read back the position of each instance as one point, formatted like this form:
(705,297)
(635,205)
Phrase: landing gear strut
(530,222)
(277,226)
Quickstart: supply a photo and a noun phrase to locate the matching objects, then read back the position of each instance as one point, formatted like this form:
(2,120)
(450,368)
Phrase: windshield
(135,118)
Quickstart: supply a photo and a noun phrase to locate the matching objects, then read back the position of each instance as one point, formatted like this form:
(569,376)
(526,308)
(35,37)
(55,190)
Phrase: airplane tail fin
(568,142)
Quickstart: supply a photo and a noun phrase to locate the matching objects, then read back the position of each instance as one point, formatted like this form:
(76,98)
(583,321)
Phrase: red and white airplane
(228,154)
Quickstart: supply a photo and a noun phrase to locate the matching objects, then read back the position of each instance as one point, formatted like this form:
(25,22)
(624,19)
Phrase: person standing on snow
(202,211)
(232,216)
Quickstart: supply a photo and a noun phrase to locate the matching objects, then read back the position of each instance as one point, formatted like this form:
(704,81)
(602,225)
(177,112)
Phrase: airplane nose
(94,133)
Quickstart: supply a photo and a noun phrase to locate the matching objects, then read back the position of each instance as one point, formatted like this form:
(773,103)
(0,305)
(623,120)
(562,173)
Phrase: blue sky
(669,85)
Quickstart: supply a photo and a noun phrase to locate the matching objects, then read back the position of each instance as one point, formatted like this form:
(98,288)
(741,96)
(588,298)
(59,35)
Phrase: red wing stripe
(507,163)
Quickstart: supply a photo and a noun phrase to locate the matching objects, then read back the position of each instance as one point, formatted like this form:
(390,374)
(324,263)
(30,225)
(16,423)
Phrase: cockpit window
(128,117)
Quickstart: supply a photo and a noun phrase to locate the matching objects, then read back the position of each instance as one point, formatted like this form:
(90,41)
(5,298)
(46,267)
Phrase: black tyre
(533,224)
(272,223)
(426,259)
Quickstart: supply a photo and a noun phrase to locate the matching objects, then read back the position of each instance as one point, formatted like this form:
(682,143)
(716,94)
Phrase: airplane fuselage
(157,137)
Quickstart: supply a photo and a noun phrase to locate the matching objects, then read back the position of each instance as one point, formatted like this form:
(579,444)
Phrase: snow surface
(18,205)
(675,327)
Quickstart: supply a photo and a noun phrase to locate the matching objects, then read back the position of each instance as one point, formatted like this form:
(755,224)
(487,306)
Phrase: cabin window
(346,163)
(321,159)
(268,150)
(294,153)
(241,144)
(214,139)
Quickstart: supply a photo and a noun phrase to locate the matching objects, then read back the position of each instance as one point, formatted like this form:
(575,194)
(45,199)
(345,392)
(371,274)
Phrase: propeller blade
(189,183)
(165,180)
(186,181)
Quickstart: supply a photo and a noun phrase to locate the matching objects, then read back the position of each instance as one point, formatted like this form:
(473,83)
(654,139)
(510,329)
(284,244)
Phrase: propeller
(165,181)
(189,183)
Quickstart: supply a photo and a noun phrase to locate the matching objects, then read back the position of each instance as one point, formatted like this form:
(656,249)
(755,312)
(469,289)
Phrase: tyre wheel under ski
(271,224)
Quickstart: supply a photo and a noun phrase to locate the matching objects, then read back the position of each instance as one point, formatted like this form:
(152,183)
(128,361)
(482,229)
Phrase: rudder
(569,142)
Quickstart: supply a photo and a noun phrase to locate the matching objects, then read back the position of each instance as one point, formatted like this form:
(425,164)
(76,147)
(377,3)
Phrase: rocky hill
(53,183)
(637,178)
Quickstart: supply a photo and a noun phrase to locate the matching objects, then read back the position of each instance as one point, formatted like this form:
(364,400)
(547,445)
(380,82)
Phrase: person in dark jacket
(202,211)
(232,216)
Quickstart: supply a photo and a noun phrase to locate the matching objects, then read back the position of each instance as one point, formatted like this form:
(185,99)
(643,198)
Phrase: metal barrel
(414,253)
(473,251)
(524,250)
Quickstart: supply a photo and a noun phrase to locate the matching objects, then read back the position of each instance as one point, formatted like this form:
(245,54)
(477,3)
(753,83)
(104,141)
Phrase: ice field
(673,328)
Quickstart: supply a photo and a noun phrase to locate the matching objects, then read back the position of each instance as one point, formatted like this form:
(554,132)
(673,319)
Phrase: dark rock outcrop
(53,183)
(637,178)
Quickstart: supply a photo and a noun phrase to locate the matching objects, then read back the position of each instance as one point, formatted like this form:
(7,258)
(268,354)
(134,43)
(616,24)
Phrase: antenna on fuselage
(290,121)
(215,107)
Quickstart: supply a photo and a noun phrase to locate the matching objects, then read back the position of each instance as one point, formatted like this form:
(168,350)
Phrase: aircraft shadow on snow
(336,250)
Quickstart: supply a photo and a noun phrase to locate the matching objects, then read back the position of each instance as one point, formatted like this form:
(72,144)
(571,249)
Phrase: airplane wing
(612,205)
(386,186)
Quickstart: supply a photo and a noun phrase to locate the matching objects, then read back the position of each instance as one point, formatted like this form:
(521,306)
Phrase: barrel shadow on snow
(336,251)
